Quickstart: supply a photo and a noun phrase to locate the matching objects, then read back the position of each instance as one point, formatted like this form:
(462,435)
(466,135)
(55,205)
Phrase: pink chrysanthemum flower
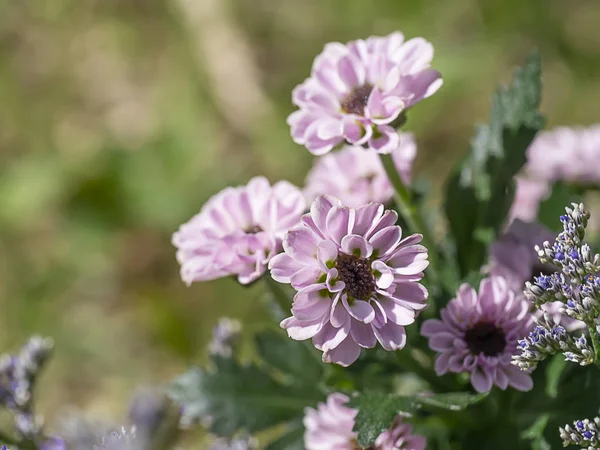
(478,334)
(562,154)
(514,258)
(356,176)
(566,154)
(357,279)
(357,90)
(238,231)
(329,427)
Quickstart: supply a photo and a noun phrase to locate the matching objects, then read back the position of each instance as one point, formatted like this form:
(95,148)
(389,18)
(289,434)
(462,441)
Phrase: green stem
(595,342)
(409,213)
(7,440)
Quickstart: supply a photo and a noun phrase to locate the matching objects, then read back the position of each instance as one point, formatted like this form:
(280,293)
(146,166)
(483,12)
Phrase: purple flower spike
(356,176)
(238,231)
(330,427)
(478,333)
(357,279)
(357,90)
(514,258)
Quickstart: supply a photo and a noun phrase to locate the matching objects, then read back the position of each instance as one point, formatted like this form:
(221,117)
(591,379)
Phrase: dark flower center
(253,229)
(356,273)
(485,338)
(356,101)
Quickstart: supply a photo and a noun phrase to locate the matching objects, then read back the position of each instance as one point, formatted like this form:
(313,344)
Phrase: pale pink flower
(478,334)
(563,154)
(357,279)
(566,154)
(329,427)
(356,176)
(513,257)
(399,436)
(357,90)
(238,231)
(529,193)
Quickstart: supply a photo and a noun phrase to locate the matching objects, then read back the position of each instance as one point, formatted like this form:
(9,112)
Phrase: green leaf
(253,397)
(304,367)
(376,411)
(554,372)
(292,439)
(535,433)
(452,401)
(480,193)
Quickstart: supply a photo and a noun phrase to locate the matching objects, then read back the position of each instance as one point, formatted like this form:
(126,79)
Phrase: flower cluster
(356,176)
(155,418)
(478,334)
(513,256)
(576,285)
(584,433)
(224,336)
(330,427)
(357,91)
(18,374)
(548,339)
(238,231)
(122,439)
(357,279)
(241,443)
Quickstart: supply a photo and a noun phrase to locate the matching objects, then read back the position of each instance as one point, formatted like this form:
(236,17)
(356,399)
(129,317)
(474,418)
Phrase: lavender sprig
(224,337)
(576,285)
(240,443)
(18,374)
(123,439)
(583,433)
(548,339)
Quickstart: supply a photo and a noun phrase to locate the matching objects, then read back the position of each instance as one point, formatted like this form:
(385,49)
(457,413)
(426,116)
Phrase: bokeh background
(119,118)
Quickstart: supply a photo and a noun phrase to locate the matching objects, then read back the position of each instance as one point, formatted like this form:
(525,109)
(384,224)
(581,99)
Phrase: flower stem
(409,213)
(595,342)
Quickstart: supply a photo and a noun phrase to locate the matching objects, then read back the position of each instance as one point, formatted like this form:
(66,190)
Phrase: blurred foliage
(119,118)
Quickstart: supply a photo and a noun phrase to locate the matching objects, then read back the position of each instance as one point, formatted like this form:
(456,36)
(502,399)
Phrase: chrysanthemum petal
(359,310)
(391,336)
(481,380)
(344,354)
(330,337)
(366,216)
(386,140)
(301,330)
(362,334)
(398,314)
(385,240)
(356,245)
(339,221)
(519,379)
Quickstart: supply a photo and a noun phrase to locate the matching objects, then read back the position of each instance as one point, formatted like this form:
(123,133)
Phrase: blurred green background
(119,118)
